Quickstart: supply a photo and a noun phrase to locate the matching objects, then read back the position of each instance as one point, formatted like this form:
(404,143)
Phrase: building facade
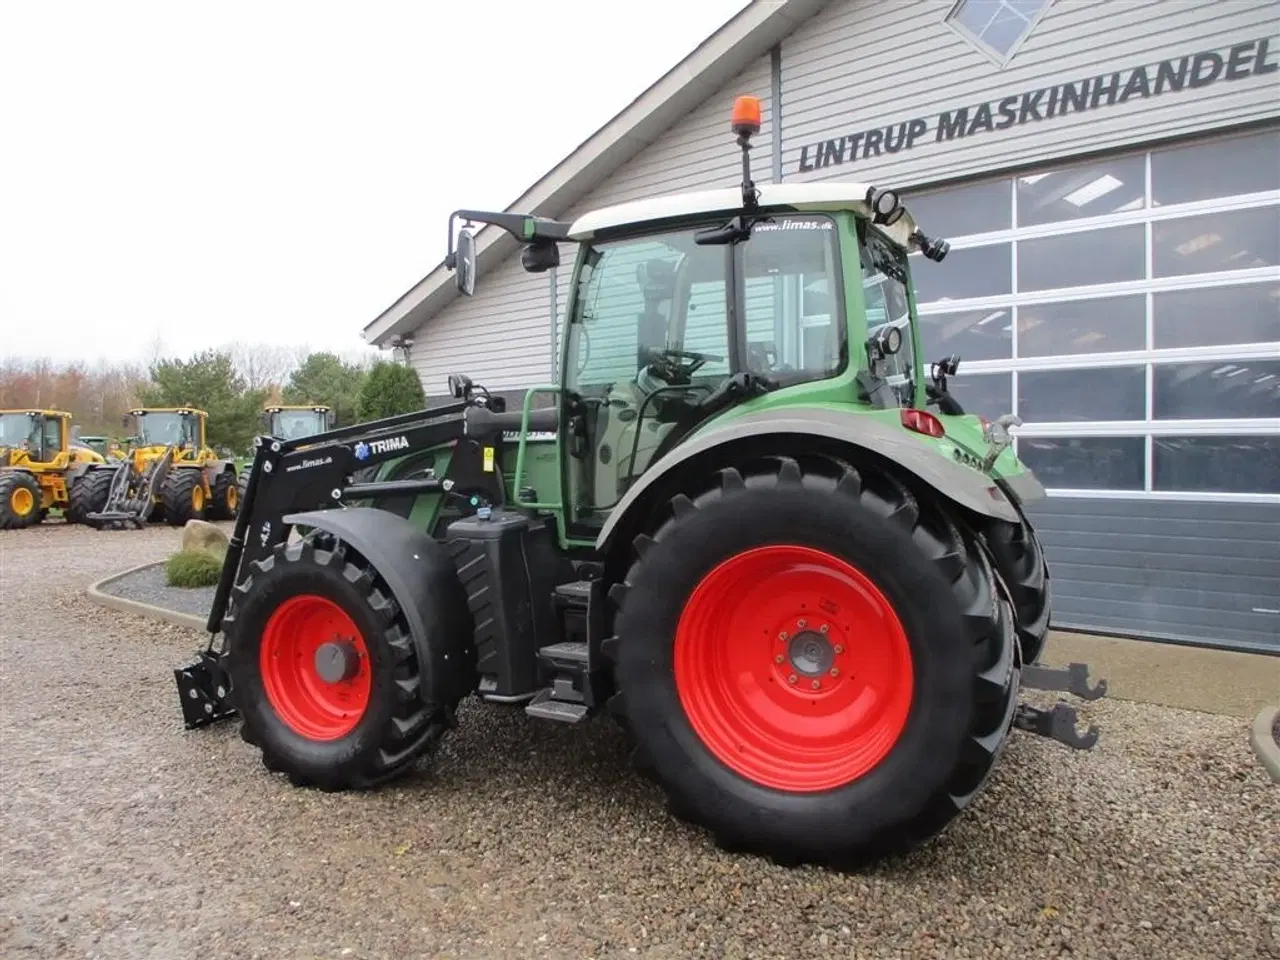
(1108,175)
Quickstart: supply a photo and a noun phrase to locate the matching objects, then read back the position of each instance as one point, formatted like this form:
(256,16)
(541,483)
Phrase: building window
(1127,309)
(997,27)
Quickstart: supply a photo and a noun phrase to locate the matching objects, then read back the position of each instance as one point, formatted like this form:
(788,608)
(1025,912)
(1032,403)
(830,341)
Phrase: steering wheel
(662,365)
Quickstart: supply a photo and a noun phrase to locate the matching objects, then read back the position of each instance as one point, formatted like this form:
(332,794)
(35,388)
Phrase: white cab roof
(828,196)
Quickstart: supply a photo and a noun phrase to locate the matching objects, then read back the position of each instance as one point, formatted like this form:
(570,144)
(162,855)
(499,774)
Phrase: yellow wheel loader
(39,466)
(170,473)
(291,423)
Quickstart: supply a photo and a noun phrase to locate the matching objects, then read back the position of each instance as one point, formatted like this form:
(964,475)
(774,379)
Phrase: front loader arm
(314,473)
(289,478)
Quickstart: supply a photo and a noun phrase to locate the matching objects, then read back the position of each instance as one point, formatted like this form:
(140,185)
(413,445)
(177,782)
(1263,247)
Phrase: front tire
(19,500)
(830,746)
(182,497)
(368,722)
(89,494)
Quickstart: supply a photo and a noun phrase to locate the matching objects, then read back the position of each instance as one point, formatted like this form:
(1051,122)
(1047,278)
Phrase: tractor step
(565,657)
(564,700)
(545,707)
(576,593)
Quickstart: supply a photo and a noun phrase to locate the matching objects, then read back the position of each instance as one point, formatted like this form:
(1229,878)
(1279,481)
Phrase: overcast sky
(282,171)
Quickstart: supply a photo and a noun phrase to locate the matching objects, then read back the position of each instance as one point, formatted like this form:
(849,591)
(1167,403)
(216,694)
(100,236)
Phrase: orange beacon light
(746,116)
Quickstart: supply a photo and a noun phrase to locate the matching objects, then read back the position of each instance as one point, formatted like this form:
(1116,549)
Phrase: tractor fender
(961,484)
(424,583)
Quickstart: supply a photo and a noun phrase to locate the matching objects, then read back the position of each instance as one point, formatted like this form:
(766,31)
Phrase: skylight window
(996,27)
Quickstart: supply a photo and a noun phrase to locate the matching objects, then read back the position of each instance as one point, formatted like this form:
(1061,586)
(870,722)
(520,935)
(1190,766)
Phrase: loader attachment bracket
(205,691)
(1057,723)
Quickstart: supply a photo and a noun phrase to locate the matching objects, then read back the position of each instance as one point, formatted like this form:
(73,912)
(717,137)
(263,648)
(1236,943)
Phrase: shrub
(389,389)
(193,568)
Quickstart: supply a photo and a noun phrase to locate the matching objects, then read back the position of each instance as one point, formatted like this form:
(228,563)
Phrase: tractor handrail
(526,412)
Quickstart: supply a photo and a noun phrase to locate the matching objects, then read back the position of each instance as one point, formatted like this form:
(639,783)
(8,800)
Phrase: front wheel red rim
(315,667)
(793,668)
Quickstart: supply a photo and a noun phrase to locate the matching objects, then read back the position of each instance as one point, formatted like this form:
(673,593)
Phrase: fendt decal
(363,451)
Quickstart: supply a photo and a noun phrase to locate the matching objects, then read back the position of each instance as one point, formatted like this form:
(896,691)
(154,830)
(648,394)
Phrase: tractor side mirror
(124,421)
(465,263)
(264,419)
(330,418)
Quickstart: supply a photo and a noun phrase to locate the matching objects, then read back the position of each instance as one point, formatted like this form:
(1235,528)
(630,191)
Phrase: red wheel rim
(315,667)
(793,668)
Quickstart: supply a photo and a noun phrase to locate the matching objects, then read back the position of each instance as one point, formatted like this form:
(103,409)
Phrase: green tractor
(743,523)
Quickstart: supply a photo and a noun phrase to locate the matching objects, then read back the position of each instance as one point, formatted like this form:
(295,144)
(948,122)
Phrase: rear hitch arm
(1057,723)
(1072,679)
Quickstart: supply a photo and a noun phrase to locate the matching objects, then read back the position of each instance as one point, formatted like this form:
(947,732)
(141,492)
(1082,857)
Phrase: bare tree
(263,366)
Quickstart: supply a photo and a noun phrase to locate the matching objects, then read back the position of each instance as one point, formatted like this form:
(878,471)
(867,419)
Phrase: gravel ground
(124,836)
(150,586)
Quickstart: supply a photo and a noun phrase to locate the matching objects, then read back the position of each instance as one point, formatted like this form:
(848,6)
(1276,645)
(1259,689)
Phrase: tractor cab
(179,427)
(36,436)
(296,422)
(688,311)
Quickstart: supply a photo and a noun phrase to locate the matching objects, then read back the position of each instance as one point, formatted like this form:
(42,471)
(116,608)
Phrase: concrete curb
(137,607)
(1264,744)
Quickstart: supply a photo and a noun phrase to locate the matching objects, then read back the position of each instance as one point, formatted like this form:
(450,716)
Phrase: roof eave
(714,63)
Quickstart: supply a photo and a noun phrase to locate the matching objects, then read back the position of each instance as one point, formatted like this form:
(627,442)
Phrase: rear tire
(89,494)
(357,732)
(925,711)
(19,500)
(182,496)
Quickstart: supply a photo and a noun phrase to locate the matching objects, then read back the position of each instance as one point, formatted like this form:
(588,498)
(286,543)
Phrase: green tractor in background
(743,523)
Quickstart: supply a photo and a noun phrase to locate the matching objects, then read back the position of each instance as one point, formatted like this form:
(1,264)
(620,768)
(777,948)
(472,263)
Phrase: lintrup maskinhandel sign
(1192,72)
